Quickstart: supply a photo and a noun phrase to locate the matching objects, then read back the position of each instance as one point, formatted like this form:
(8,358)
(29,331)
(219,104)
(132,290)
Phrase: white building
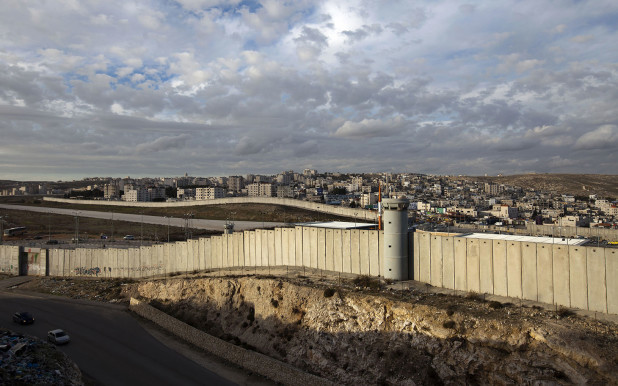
(209,193)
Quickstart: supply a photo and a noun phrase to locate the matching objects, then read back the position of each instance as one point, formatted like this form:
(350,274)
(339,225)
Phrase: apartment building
(261,190)
(209,193)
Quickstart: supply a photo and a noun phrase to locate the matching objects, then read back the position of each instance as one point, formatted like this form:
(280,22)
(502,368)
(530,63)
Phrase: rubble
(27,360)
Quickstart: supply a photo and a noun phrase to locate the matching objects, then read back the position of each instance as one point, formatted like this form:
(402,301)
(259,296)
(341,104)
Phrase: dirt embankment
(354,336)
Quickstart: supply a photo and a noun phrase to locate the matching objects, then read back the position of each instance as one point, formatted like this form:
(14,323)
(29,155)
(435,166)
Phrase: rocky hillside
(574,184)
(353,337)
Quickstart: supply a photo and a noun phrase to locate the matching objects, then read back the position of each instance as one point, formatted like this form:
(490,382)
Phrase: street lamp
(168,228)
(76,229)
(2,229)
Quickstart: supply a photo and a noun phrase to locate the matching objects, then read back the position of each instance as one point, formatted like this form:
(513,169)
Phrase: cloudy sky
(215,87)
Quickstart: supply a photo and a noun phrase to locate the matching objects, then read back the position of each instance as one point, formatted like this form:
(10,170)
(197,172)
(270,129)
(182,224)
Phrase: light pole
(112,226)
(2,229)
(76,229)
(168,228)
(49,225)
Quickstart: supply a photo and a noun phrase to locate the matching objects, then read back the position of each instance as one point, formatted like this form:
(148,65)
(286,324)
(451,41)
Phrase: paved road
(158,220)
(106,342)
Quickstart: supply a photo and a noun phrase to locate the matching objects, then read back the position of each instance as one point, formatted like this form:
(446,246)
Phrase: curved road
(158,220)
(108,345)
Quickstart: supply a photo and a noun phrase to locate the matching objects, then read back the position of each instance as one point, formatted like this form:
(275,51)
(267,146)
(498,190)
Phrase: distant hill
(575,184)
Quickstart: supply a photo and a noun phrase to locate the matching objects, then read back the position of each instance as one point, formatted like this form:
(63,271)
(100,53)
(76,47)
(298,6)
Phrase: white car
(129,237)
(58,337)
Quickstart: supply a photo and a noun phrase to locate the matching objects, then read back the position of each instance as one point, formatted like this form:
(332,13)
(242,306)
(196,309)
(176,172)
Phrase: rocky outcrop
(351,337)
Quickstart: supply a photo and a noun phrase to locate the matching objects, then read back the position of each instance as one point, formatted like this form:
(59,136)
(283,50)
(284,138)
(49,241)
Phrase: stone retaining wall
(250,360)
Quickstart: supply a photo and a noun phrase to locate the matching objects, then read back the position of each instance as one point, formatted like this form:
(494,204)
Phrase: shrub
(564,312)
(366,281)
(449,324)
(329,292)
(474,296)
(274,303)
(495,304)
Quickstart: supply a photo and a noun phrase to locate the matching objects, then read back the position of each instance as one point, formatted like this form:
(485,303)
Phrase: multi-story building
(209,193)
(261,190)
(285,191)
(185,194)
(110,191)
(235,183)
(368,199)
(156,193)
(135,195)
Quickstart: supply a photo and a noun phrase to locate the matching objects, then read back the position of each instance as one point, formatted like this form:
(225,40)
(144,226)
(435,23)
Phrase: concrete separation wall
(570,276)
(251,360)
(356,213)
(347,251)
(9,259)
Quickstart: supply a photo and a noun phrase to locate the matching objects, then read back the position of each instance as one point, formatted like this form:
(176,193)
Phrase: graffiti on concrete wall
(87,271)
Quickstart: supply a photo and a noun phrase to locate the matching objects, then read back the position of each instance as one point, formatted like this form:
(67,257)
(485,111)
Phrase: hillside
(599,184)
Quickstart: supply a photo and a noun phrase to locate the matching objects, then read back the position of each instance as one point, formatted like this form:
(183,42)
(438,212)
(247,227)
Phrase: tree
(171,192)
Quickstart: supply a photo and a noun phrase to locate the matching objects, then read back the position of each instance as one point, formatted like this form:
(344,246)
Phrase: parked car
(49,242)
(129,237)
(23,317)
(58,336)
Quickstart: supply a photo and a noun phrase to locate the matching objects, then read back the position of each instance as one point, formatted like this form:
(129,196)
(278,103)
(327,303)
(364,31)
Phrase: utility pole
(76,229)
(2,229)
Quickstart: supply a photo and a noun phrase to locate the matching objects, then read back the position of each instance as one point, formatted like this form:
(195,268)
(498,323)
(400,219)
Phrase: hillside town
(440,200)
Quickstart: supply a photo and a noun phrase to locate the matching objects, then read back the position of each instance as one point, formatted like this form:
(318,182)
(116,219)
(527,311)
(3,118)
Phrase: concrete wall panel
(364,252)
(448,262)
(299,242)
(271,248)
(545,273)
(513,267)
(355,251)
(529,266)
(424,267)
(216,251)
(208,259)
(285,246)
(579,276)
(382,258)
(252,249)
(292,247)
(461,264)
(321,248)
(279,246)
(473,265)
(486,266)
(562,275)
(597,290)
(259,248)
(329,250)
(346,250)
(500,271)
(306,247)
(338,250)
(611,275)
(435,266)
(416,256)
(313,247)
(374,253)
